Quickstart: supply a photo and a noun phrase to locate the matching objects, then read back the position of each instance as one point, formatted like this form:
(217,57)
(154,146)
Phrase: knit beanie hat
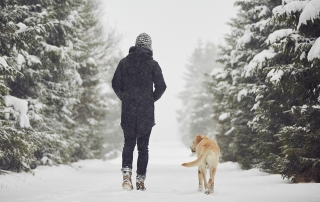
(144,41)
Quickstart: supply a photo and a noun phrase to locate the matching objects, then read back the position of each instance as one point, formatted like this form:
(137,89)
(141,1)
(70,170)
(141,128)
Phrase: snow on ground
(97,181)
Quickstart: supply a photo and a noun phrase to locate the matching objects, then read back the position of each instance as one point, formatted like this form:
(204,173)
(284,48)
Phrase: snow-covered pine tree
(50,80)
(264,125)
(49,43)
(194,118)
(220,86)
(16,145)
(220,89)
(101,115)
(294,75)
(242,77)
(93,110)
(112,129)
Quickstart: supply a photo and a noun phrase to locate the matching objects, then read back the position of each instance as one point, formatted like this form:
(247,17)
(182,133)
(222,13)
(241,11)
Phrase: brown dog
(208,153)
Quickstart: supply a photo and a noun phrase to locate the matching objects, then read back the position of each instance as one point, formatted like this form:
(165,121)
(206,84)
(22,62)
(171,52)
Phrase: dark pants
(143,152)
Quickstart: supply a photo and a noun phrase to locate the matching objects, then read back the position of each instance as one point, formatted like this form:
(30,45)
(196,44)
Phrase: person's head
(144,41)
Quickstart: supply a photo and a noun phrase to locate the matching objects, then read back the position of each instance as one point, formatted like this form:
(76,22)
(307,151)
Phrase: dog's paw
(208,191)
(200,188)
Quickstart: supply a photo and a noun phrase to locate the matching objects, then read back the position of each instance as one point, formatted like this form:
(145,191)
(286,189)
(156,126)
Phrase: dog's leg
(210,187)
(203,174)
(200,179)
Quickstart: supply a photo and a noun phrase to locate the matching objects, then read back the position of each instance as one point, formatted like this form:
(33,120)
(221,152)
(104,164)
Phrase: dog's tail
(196,162)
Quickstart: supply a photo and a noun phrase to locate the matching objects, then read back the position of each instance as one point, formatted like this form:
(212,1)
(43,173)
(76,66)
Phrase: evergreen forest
(257,95)
(262,102)
(56,104)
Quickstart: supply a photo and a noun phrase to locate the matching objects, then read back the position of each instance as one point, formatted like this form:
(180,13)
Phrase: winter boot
(140,182)
(127,183)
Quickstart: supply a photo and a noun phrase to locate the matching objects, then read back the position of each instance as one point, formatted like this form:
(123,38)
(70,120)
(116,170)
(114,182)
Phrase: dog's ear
(198,139)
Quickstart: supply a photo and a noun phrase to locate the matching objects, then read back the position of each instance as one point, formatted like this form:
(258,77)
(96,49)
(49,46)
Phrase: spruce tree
(16,146)
(295,75)
(48,57)
(194,117)
(50,80)
(243,76)
(112,129)
(271,69)
(93,110)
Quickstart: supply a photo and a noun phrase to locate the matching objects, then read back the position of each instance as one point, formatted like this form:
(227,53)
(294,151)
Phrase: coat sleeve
(117,81)
(159,83)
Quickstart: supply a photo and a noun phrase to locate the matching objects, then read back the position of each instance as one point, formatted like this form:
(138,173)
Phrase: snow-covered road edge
(96,180)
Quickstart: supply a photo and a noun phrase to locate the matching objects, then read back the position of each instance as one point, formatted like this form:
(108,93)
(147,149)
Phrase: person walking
(138,82)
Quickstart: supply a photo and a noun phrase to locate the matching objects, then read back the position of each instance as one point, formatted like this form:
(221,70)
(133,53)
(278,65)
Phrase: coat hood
(139,54)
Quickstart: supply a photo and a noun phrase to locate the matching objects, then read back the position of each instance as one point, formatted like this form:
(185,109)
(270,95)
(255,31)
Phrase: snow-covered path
(95,180)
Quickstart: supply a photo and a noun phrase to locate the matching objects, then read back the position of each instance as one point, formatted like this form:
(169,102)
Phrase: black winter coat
(138,83)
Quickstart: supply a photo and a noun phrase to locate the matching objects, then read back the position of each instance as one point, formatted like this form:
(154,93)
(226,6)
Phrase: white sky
(176,27)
